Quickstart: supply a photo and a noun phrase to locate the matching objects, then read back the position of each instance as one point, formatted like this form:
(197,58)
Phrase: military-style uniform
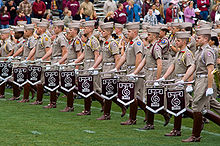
(29,45)
(204,57)
(6,48)
(133,48)
(91,46)
(183,60)
(43,42)
(59,42)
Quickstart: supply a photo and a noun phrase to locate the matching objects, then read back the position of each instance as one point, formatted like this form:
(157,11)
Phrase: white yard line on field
(158,121)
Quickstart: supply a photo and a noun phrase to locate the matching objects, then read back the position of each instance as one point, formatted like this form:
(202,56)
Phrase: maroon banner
(85,86)
(175,102)
(34,74)
(51,80)
(126,92)
(20,75)
(109,88)
(5,70)
(67,80)
(155,99)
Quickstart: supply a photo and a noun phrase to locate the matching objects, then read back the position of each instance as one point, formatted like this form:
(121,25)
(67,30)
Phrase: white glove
(131,75)
(91,68)
(76,72)
(189,89)
(180,83)
(10,58)
(209,92)
(24,61)
(56,64)
(114,70)
(39,60)
(161,79)
(95,72)
(156,84)
(47,67)
(73,63)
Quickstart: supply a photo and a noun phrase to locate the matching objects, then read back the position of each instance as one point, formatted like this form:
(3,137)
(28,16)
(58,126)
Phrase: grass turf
(23,124)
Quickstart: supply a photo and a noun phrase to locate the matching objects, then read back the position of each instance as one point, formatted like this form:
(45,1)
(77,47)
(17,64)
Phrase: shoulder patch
(77,42)
(46,39)
(163,41)
(138,43)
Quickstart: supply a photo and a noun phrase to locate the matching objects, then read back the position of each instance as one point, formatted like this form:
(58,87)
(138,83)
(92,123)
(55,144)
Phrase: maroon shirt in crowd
(168,15)
(17,18)
(120,16)
(145,8)
(5,18)
(73,6)
(39,7)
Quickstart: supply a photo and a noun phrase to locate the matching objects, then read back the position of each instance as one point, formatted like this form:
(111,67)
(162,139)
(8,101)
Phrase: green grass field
(23,124)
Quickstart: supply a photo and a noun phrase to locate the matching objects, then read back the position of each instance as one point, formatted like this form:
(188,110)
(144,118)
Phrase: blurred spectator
(198,16)
(156,13)
(134,11)
(159,7)
(203,7)
(109,17)
(150,18)
(213,12)
(38,9)
(20,17)
(169,13)
(68,18)
(145,7)
(93,16)
(125,4)
(4,17)
(56,10)
(189,13)
(88,8)
(65,12)
(165,6)
(120,14)
(1,4)
(73,6)
(138,2)
(25,6)
(49,17)
(217,14)
(79,15)
(12,8)
(109,5)
(64,4)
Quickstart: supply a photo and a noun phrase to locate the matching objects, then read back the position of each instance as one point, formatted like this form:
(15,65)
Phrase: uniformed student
(41,52)
(132,57)
(19,42)
(183,61)
(175,28)
(74,51)
(109,58)
(152,64)
(24,51)
(205,61)
(6,50)
(89,56)
(58,55)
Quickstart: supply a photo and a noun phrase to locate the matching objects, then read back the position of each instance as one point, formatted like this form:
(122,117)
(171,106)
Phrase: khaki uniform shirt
(109,49)
(74,47)
(192,44)
(6,47)
(183,60)
(20,42)
(59,42)
(91,45)
(29,45)
(204,56)
(133,48)
(43,42)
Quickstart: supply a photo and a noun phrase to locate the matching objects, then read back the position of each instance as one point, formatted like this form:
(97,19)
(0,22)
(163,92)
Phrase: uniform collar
(204,46)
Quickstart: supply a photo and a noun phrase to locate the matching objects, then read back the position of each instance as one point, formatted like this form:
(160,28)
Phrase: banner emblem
(20,76)
(85,86)
(67,80)
(34,74)
(126,92)
(109,88)
(51,80)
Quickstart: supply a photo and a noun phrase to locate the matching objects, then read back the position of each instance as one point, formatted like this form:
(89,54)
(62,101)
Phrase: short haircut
(207,36)
(215,39)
